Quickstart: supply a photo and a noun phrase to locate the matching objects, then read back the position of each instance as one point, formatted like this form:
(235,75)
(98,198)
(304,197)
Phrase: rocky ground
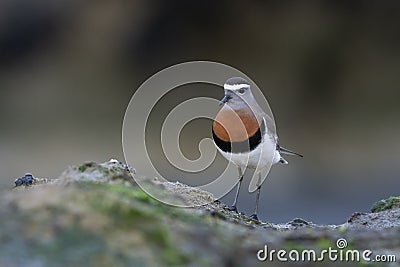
(96,215)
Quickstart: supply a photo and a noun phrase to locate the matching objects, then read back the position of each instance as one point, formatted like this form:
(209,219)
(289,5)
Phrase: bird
(246,136)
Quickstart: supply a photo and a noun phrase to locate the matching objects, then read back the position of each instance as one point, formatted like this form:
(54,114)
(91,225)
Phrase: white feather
(235,86)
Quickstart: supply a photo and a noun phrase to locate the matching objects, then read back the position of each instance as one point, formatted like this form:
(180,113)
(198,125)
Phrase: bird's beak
(224,100)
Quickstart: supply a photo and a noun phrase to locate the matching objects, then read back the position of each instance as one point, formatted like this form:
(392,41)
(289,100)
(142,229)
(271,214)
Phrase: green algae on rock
(386,204)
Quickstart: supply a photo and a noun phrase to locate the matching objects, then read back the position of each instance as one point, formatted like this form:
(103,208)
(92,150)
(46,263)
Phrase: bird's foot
(232,208)
(254,217)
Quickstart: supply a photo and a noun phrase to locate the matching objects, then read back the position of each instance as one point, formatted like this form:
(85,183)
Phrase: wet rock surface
(96,215)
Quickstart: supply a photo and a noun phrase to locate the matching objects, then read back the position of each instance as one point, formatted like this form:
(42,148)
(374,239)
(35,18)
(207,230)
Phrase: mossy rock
(96,215)
(386,204)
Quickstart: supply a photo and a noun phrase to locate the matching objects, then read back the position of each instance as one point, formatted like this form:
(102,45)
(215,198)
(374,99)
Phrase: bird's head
(237,93)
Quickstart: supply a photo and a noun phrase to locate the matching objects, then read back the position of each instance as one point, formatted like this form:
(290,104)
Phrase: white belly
(260,158)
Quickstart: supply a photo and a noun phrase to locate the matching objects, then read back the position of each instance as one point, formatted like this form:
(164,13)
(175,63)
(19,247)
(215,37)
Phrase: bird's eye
(241,91)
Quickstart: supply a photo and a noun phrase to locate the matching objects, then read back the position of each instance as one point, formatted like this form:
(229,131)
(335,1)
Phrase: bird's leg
(254,216)
(233,207)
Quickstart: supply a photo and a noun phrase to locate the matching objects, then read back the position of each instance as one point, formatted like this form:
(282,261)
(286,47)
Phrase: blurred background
(330,70)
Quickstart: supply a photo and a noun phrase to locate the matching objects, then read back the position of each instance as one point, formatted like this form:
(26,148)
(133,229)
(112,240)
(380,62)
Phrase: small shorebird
(245,135)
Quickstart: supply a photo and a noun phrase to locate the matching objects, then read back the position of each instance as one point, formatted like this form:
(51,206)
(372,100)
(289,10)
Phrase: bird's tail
(288,152)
